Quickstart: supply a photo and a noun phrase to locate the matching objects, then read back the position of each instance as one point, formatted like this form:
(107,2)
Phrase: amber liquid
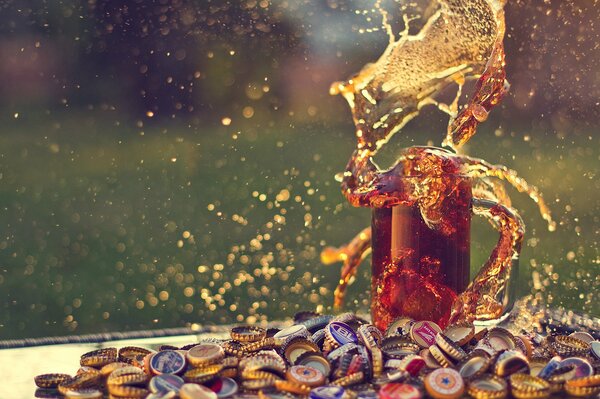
(419,270)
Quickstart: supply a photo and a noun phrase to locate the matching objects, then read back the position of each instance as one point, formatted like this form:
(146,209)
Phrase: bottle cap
(582,336)
(591,381)
(550,367)
(525,345)
(327,392)
(429,359)
(527,386)
(167,362)
(488,387)
(317,323)
(315,360)
(306,375)
(595,349)
(424,332)
(440,356)
(204,354)
(582,392)
(370,335)
(202,375)
(396,390)
(500,339)
(295,330)
(292,387)
(337,353)
(127,375)
(444,383)
(412,364)
(400,326)
(340,333)
(196,391)
(370,394)
(450,348)
(568,346)
(227,389)
(461,333)
(166,382)
(583,368)
(247,334)
(473,367)
(50,380)
(511,362)
(295,347)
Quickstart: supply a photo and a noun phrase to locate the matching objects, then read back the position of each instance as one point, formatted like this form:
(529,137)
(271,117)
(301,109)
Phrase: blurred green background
(165,162)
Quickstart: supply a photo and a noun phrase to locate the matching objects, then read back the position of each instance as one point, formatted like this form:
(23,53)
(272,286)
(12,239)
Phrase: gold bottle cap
(488,387)
(202,374)
(127,353)
(461,333)
(583,336)
(292,387)
(440,356)
(444,383)
(350,379)
(450,348)
(527,386)
(50,380)
(376,361)
(424,332)
(195,391)
(204,354)
(109,368)
(582,392)
(591,381)
(127,391)
(569,346)
(295,347)
(248,334)
(99,357)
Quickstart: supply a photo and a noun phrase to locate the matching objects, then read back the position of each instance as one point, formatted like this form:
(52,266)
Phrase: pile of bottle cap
(343,357)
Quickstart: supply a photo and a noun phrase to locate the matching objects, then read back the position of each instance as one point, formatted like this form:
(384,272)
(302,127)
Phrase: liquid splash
(461,40)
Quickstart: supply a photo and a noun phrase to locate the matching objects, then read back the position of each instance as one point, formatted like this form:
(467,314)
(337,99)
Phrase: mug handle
(489,297)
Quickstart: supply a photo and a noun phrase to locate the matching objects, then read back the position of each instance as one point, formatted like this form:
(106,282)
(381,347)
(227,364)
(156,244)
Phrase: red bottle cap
(395,390)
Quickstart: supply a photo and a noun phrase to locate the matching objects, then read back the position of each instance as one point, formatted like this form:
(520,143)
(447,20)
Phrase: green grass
(96,222)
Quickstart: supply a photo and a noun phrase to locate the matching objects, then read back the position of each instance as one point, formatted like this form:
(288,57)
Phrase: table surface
(19,366)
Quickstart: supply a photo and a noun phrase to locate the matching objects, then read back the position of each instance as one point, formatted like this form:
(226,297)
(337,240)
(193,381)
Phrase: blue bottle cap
(167,362)
(327,392)
(342,333)
(552,365)
(166,383)
(367,395)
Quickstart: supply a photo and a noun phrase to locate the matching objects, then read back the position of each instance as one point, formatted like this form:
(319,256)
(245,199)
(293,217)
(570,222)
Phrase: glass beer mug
(420,244)
(419,268)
